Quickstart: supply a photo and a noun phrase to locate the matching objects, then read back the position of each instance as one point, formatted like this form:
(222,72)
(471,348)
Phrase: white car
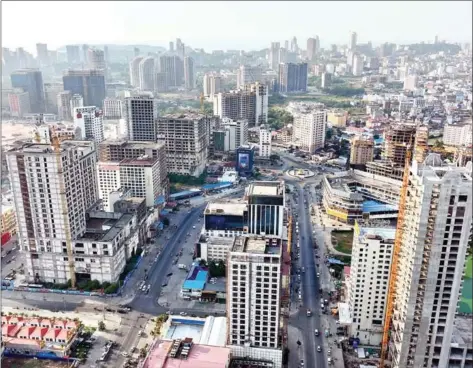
(124,353)
(318,274)
(183,314)
(193,227)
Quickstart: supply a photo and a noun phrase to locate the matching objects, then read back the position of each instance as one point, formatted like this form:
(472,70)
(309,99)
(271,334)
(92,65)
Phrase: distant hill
(434,48)
(121,48)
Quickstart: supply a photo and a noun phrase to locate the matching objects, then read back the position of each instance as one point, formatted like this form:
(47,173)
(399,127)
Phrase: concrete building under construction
(397,139)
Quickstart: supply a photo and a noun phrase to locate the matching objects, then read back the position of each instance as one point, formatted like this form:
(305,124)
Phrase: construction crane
(62,193)
(395,259)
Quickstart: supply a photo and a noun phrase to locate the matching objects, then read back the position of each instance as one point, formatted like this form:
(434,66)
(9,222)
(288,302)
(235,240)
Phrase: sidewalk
(296,352)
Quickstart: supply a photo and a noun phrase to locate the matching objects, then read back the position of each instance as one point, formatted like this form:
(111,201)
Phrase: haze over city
(232,24)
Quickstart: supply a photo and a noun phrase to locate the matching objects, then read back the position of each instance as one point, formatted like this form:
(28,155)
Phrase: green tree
(217,268)
(328,134)
(166,221)
(101,326)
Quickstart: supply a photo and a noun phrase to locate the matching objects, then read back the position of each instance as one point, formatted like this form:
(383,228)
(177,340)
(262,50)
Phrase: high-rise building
(31,81)
(96,59)
(88,123)
(186,138)
(161,83)
(171,46)
(140,115)
(352,41)
(64,105)
(135,71)
(117,150)
(108,181)
(311,49)
(266,201)
(50,219)
(42,53)
(326,80)
(397,139)
(51,91)
(112,108)
(274,55)
(90,84)
(434,243)
(75,101)
(73,54)
(136,52)
(247,75)
(19,103)
(147,74)
(293,77)
(231,135)
(189,73)
(106,55)
(212,85)
(410,82)
(249,104)
(85,54)
(371,257)
(357,68)
(459,134)
(253,310)
(265,142)
(173,67)
(309,130)
(361,150)
(294,46)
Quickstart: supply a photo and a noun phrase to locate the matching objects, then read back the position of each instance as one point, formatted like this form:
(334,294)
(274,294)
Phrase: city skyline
(122,27)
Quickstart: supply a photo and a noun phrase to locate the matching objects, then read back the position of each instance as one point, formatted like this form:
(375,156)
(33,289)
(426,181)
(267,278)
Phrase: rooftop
(196,278)
(139,161)
(266,188)
(184,116)
(105,226)
(199,356)
(235,209)
(257,245)
(131,144)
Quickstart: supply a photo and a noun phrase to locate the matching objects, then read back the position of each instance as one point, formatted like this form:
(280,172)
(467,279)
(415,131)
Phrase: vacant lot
(466,300)
(32,363)
(342,241)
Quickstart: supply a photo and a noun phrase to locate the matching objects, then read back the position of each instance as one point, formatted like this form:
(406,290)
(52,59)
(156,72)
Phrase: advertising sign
(243,160)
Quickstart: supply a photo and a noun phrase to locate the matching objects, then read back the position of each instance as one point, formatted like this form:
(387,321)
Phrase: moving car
(316,332)
(319,349)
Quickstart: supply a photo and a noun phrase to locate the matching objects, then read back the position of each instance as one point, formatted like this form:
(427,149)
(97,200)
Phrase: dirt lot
(31,363)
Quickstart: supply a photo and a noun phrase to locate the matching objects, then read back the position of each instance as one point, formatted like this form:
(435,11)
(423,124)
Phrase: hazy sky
(231,25)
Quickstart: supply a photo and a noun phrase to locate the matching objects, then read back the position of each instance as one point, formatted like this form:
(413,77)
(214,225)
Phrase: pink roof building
(38,333)
(25,332)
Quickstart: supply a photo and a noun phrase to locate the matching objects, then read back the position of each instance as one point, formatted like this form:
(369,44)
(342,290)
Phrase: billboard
(244,161)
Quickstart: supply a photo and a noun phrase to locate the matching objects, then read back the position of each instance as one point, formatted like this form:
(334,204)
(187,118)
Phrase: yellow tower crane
(64,208)
(395,259)
(202,99)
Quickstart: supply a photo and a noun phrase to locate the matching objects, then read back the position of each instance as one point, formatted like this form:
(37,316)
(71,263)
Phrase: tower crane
(64,208)
(202,102)
(395,260)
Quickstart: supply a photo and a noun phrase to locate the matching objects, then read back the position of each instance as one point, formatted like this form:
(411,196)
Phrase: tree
(166,221)
(217,268)
(101,326)
(376,136)
(328,134)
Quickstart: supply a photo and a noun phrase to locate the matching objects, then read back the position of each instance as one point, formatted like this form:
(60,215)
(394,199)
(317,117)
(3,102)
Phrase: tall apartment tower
(140,115)
(186,138)
(250,104)
(438,219)
(112,108)
(88,123)
(42,53)
(75,101)
(266,201)
(189,73)
(311,49)
(96,59)
(64,105)
(274,55)
(309,130)
(173,67)
(265,142)
(248,75)
(31,81)
(212,85)
(135,71)
(357,68)
(293,77)
(396,142)
(73,54)
(147,74)
(90,84)
(254,266)
(51,195)
(372,250)
(361,151)
(352,41)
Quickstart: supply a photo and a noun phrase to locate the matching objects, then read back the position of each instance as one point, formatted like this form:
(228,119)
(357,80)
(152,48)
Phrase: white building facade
(88,123)
(309,130)
(265,142)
